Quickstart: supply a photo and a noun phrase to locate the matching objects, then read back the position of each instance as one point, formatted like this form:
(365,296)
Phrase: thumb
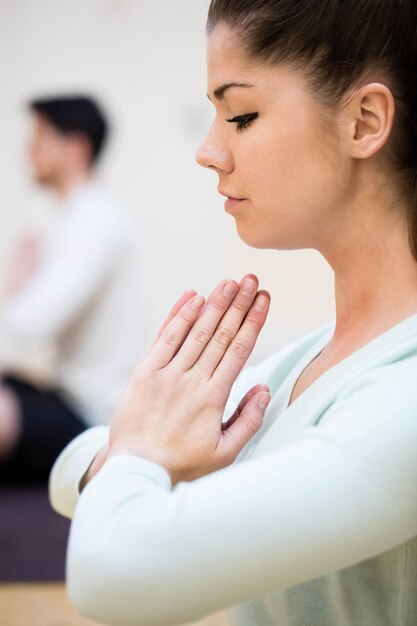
(244,427)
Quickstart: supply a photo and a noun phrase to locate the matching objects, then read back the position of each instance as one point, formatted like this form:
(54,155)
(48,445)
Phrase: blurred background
(144,60)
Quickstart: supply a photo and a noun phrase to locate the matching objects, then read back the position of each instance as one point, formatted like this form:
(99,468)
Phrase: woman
(314,142)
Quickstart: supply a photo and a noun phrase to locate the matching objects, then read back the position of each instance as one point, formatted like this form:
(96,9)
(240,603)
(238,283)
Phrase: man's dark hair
(339,44)
(75,114)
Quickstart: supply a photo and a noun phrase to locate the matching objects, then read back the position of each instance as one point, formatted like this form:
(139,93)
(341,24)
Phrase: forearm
(174,555)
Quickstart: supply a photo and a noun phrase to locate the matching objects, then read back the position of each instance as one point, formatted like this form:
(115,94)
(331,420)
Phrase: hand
(24,264)
(171,411)
(102,454)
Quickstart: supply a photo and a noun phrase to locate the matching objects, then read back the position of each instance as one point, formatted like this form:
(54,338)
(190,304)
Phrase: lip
(231,202)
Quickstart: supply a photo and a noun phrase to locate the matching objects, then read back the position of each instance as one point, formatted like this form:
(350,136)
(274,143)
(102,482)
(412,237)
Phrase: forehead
(226,63)
(225,59)
(41,124)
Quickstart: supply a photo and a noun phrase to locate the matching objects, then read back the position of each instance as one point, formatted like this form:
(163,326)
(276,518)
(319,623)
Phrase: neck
(69,181)
(375,272)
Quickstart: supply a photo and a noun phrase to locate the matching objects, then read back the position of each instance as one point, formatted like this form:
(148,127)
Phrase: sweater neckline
(406,327)
(387,347)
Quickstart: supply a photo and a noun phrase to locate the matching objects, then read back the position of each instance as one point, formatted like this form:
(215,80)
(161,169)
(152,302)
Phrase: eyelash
(243,121)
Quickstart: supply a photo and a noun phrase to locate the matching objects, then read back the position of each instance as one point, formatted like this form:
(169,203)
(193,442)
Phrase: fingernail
(248,286)
(263,401)
(230,288)
(260,303)
(197,302)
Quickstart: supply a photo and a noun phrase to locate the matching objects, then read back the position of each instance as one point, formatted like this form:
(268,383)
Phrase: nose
(215,156)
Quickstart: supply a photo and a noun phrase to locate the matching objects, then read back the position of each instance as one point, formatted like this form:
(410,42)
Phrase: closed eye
(243,121)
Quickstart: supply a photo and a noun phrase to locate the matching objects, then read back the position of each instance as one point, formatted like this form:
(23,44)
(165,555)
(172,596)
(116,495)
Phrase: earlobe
(373,108)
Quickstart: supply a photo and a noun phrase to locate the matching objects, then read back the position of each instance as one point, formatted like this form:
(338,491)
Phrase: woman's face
(279,158)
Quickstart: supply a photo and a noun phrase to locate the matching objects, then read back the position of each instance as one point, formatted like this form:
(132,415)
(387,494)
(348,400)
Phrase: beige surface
(47,605)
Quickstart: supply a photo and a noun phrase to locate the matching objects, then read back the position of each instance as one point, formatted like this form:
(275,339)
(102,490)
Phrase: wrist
(120,449)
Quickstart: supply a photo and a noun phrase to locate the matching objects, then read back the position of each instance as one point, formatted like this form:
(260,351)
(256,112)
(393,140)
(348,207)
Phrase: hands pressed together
(171,410)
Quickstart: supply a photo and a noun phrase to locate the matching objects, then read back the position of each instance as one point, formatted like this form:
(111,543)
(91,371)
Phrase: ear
(372,116)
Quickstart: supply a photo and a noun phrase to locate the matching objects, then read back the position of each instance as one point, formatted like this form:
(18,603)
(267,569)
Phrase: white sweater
(84,300)
(314,525)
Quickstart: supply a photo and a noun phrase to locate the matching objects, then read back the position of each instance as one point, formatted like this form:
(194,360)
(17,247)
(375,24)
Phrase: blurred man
(78,291)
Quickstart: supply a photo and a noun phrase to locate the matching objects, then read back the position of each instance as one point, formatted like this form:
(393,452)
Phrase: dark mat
(33,537)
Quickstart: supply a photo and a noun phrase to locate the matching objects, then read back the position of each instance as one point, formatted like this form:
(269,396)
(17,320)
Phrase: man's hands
(24,264)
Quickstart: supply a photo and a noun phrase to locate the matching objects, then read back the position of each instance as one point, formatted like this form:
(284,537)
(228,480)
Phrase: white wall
(145,59)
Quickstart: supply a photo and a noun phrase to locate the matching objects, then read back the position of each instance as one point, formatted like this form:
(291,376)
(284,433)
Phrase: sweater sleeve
(70,467)
(143,553)
(76,457)
(69,277)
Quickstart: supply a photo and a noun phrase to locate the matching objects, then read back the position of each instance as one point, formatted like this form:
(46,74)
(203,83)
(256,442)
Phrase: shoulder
(383,398)
(390,387)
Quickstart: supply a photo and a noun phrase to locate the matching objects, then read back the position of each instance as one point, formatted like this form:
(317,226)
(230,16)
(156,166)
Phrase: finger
(174,334)
(242,345)
(227,295)
(245,426)
(229,325)
(252,392)
(185,297)
(176,308)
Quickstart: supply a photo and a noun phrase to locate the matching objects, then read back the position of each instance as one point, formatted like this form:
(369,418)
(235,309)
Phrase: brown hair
(338,43)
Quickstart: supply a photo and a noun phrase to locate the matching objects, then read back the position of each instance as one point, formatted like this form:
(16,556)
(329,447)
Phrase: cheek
(293,169)
(49,155)
(38,157)
(294,183)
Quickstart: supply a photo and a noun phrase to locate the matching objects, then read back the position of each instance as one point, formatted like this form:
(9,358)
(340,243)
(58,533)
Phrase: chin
(41,179)
(253,237)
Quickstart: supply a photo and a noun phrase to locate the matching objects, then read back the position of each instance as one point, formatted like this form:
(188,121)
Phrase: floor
(45,604)
(33,540)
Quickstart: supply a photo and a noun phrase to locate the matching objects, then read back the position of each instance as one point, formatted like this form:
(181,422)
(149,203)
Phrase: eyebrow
(220,91)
